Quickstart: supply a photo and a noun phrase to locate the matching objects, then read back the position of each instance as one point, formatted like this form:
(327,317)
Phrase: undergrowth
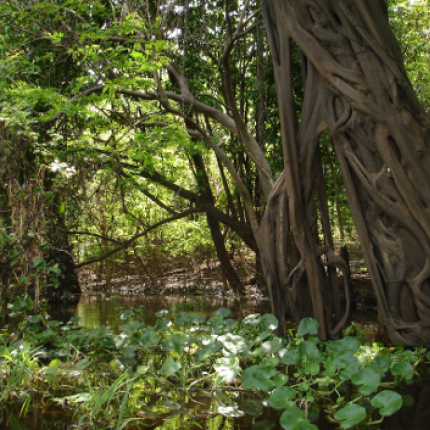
(186,369)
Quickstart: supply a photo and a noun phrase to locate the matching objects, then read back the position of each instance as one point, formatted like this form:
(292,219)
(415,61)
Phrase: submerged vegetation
(185,370)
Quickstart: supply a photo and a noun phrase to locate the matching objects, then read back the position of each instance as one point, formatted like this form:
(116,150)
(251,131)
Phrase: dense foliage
(131,131)
(146,375)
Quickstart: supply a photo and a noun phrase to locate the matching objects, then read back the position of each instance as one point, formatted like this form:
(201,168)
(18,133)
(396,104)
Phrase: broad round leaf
(368,378)
(258,377)
(308,326)
(389,402)
(350,416)
(405,370)
(222,313)
(290,418)
(268,322)
(280,398)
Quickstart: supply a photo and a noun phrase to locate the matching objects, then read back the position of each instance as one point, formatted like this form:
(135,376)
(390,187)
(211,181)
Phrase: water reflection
(95,311)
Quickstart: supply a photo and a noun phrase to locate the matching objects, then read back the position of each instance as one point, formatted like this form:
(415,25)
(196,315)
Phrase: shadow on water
(96,311)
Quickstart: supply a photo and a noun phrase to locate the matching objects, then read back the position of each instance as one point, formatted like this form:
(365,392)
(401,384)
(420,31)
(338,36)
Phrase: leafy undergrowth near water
(185,370)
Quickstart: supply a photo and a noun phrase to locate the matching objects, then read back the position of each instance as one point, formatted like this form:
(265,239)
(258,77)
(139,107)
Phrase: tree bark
(359,91)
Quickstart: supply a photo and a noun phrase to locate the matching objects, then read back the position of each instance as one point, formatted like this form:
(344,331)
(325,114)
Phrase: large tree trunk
(356,87)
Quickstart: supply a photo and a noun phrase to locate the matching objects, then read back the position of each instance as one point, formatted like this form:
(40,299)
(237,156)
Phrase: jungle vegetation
(131,130)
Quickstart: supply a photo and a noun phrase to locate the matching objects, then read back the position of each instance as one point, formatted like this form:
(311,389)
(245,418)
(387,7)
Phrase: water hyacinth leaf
(346,344)
(381,364)
(290,357)
(163,324)
(272,361)
(308,326)
(149,338)
(268,322)
(161,313)
(263,425)
(217,325)
(388,402)
(280,379)
(234,343)
(291,417)
(222,313)
(178,342)
(251,407)
(227,368)
(368,379)
(308,351)
(312,368)
(127,314)
(169,367)
(263,336)
(253,320)
(230,324)
(258,377)
(208,350)
(350,415)
(405,370)
(272,346)
(280,398)
(231,411)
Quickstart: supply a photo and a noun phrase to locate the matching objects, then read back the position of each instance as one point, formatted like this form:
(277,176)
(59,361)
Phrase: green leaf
(209,349)
(169,367)
(268,322)
(381,364)
(308,326)
(272,346)
(227,368)
(263,425)
(163,324)
(368,379)
(39,263)
(405,370)
(258,377)
(308,351)
(161,313)
(346,344)
(389,402)
(234,343)
(280,398)
(291,418)
(222,313)
(350,415)
(290,357)
(280,379)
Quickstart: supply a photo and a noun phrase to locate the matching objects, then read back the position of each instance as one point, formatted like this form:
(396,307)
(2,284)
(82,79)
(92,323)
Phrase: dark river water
(96,310)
